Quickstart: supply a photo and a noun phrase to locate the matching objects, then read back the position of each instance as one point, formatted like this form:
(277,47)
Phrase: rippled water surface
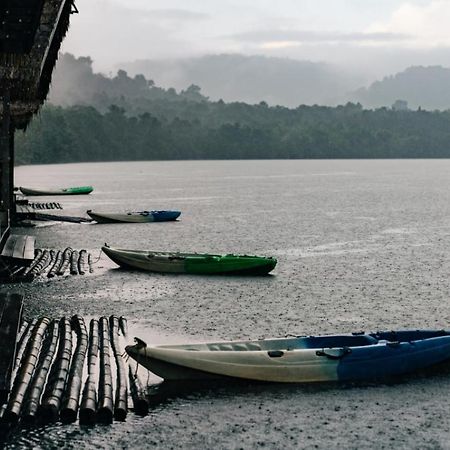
(361,245)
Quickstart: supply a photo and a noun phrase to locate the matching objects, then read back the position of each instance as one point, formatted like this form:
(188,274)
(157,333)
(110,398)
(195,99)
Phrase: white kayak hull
(134,217)
(171,364)
(304,359)
(158,262)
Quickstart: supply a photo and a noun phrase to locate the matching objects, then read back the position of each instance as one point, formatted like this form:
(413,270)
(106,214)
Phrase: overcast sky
(380,34)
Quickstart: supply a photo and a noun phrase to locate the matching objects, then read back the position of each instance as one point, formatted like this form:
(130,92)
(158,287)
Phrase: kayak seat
(213,348)
(252,346)
(240,347)
(226,347)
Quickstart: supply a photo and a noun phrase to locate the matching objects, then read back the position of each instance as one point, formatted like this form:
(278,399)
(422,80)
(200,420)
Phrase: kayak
(134,217)
(67,191)
(304,359)
(192,263)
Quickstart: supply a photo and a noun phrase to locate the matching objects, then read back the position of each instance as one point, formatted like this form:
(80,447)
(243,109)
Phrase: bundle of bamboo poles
(52,358)
(55,263)
(52,205)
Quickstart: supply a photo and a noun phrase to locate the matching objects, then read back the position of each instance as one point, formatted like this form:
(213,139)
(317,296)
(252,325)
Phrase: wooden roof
(19,20)
(31,32)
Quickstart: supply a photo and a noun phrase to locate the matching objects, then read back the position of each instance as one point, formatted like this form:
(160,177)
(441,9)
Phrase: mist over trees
(251,79)
(425,87)
(130,118)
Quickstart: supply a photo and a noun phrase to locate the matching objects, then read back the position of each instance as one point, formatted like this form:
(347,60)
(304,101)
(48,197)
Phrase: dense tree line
(104,118)
(199,129)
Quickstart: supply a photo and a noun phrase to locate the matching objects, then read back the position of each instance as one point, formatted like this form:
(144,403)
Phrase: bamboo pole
(53,254)
(56,266)
(88,406)
(66,261)
(121,398)
(105,388)
(71,400)
(137,391)
(51,400)
(123,325)
(23,327)
(90,263)
(82,259)
(42,263)
(74,263)
(22,339)
(37,385)
(21,346)
(27,367)
(37,257)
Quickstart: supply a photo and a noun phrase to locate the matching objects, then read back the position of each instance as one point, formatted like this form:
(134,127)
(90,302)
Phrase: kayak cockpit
(315,342)
(303,342)
(408,335)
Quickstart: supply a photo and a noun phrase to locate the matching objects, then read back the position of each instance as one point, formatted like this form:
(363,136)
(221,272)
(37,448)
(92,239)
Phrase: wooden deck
(10,318)
(19,247)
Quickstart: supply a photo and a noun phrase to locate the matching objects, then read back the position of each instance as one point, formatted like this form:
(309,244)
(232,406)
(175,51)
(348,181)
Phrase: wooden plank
(11,306)
(28,252)
(8,249)
(5,233)
(19,247)
(23,209)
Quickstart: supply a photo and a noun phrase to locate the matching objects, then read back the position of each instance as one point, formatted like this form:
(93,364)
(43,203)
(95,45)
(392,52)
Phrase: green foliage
(193,129)
(123,118)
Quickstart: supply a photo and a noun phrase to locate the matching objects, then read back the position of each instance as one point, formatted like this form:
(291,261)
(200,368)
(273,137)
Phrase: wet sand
(361,245)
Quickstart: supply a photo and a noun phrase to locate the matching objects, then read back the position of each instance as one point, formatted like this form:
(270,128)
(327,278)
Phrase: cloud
(176,14)
(145,36)
(427,24)
(286,38)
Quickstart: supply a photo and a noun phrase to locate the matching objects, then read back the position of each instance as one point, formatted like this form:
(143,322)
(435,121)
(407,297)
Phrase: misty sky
(374,35)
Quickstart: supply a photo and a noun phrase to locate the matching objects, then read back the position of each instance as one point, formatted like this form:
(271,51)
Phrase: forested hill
(427,87)
(249,79)
(124,118)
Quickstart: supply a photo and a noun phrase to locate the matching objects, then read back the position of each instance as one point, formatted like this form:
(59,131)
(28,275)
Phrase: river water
(361,245)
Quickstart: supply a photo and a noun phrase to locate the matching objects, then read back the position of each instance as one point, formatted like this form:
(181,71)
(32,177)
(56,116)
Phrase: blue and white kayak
(352,357)
(134,217)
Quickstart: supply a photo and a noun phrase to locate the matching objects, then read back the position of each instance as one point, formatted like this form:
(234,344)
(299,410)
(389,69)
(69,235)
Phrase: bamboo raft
(26,207)
(52,359)
(48,264)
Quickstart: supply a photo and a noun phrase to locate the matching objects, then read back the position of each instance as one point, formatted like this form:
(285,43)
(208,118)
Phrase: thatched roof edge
(28,76)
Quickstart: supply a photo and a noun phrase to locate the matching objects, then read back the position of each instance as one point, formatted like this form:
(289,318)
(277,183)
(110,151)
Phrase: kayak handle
(344,351)
(140,343)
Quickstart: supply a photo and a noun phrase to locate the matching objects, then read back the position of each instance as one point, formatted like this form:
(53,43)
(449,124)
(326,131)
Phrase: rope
(98,259)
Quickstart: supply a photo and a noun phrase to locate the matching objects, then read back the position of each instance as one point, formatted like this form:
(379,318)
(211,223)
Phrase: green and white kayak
(192,263)
(79,190)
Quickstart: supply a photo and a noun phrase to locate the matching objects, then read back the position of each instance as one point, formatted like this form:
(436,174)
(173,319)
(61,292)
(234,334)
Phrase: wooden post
(11,314)
(12,206)
(5,143)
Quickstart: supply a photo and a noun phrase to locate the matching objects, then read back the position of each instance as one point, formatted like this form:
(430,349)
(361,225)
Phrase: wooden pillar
(12,206)
(5,165)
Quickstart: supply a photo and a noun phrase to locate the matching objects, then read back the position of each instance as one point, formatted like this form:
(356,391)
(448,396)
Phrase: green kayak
(80,190)
(193,263)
